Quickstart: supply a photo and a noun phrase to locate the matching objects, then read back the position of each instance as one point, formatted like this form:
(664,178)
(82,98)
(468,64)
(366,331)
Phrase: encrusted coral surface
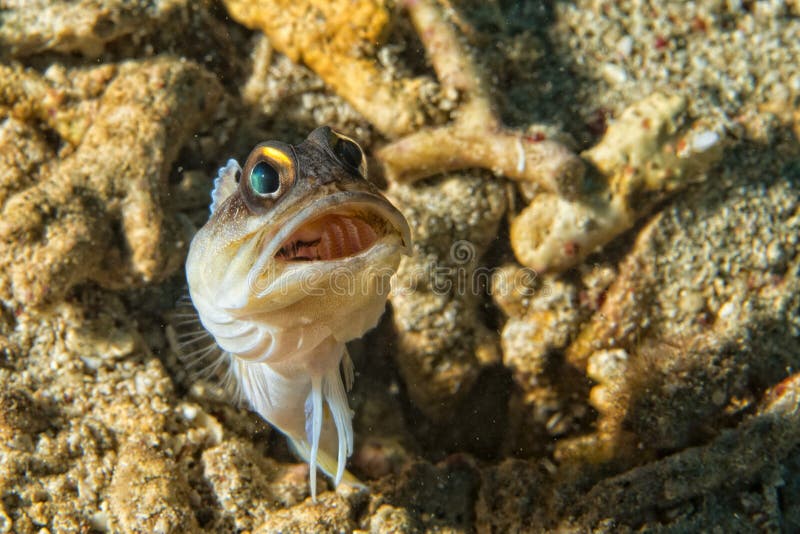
(96,209)
(442,342)
(623,359)
(645,155)
(337,40)
(87,26)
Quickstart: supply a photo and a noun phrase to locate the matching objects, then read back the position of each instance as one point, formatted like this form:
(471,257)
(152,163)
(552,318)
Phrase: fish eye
(348,152)
(264,179)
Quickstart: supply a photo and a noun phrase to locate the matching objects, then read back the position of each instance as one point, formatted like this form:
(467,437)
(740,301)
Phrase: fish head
(298,235)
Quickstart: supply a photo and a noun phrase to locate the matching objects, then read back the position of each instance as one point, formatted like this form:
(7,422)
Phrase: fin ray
(325,461)
(199,353)
(348,370)
(224,184)
(314,429)
(342,417)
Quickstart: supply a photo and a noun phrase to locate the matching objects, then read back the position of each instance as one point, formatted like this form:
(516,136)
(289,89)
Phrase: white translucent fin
(200,355)
(251,385)
(325,461)
(224,184)
(330,388)
(314,415)
(348,370)
(342,418)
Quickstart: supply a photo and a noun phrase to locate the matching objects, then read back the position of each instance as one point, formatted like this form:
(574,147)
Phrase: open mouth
(332,236)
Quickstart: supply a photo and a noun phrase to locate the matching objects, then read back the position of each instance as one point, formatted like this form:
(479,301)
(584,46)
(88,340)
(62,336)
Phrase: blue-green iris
(264,179)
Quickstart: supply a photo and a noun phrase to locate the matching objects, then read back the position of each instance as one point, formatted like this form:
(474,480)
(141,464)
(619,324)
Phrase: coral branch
(548,164)
(476,137)
(333,39)
(455,70)
(98,213)
(646,155)
(321,35)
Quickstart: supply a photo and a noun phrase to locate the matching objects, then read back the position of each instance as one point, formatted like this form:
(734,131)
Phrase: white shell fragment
(705,140)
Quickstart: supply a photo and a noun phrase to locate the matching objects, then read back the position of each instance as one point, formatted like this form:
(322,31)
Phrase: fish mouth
(340,226)
(332,237)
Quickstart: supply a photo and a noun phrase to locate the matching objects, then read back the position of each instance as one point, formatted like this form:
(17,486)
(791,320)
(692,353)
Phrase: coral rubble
(442,341)
(645,155)
(95,211)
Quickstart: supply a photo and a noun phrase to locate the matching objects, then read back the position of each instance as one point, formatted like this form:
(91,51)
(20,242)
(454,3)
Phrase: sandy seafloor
(653,387)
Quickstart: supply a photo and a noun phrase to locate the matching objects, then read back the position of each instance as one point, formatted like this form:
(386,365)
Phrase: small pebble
(625,46)
(704,140)
(614,74)
(605,365)
(727,310)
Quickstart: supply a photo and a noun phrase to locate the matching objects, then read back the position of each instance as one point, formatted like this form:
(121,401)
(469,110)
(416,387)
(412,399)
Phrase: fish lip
(331,204)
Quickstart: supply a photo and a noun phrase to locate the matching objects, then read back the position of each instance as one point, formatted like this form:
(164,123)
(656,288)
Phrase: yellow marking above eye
(277,155)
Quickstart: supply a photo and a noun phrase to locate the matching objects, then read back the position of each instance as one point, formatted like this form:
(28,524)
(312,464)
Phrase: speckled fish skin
(295,261)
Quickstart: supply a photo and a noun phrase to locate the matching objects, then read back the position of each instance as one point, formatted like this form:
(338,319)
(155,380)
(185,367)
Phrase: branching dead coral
(85,26)
(647,154)
(336,40)
(643,157)
(96,213)
(321,34)
(476,138)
